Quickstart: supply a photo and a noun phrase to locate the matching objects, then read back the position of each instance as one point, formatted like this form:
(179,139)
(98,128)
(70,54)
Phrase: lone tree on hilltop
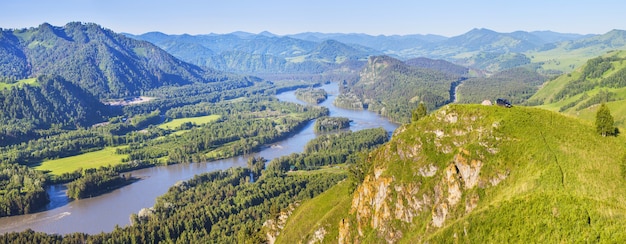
(419,112)
(604,121)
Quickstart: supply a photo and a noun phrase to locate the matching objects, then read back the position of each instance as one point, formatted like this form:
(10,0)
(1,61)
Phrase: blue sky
(442,17)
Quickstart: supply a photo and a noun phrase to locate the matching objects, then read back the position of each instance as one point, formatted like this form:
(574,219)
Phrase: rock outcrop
(443,166)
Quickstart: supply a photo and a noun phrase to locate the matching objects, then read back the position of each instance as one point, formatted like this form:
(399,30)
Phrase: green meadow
(195,120)
(95,159)
(31,81)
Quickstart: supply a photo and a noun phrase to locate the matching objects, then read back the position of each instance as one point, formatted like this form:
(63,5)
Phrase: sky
(390,17)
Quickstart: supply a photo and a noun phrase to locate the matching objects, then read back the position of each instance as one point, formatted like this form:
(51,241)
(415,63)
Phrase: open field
(95,159)
(31,81)
(195,120)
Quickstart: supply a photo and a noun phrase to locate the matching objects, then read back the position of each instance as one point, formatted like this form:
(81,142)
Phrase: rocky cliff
(473,173)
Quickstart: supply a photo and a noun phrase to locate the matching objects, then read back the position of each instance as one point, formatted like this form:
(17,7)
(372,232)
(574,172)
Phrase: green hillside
(479,174)
(569,55)
(601,79)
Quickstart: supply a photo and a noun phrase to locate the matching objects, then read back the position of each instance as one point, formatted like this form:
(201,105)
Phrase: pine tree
(419,112)
(604,121)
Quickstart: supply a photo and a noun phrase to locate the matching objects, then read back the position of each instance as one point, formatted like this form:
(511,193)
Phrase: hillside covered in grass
(600,80)
(478,174)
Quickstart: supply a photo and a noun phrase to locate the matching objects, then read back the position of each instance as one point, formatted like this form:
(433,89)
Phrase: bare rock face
(435,171)
(273,227)
(469,170)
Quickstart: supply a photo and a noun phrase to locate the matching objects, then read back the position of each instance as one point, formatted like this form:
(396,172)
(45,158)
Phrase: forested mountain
(515,84)
(438,64)
(106,64)
(259,54)
(269,53)
(392,88)
(381,42)
(477,174)
(50,100)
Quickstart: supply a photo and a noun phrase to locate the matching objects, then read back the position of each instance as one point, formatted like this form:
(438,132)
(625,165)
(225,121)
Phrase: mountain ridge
(476,42)
(106,64)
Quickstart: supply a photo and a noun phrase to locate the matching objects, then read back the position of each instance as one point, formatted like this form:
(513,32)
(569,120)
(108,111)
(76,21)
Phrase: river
(104,212)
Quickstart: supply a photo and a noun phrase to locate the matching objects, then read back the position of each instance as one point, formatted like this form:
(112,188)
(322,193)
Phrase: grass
(561,174)
(195,120)
(95,159)
(565,59)
(30,81)
(334,169)
(564,182)
(324,211)
(550,88)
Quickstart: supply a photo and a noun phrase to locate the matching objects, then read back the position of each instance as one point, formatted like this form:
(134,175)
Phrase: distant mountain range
(312,52)
(258,53)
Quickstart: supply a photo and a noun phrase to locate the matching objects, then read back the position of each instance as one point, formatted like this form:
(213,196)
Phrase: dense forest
(233,206)
(325,124)
(515,85)
(50,102)
(311,95)
(248,119)
(104,63)
(21,189)
(96,181)
(231,210)
(330,149)
(393,89)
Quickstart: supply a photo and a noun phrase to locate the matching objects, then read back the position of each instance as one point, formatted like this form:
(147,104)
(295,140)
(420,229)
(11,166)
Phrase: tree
(419,112)
(604,121)
(256,165)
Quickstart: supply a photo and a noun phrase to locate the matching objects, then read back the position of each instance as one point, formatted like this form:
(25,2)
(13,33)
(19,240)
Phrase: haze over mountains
(479,48)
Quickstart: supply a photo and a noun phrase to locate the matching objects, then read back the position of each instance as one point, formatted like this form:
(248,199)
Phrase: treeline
(21,190)
(182,96)
(331,149)
(69,143)
(96,181)
(245,126)
(218,207)
(311,95)
(592,77)
(325,124)
(348,100)
(393,89)
(52,102)
(603,96)
(515,85)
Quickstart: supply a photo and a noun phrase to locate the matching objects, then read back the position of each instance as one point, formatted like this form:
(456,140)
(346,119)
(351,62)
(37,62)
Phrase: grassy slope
(566,59)
(564,182)
(325,211)
(618,108)
(95,159)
